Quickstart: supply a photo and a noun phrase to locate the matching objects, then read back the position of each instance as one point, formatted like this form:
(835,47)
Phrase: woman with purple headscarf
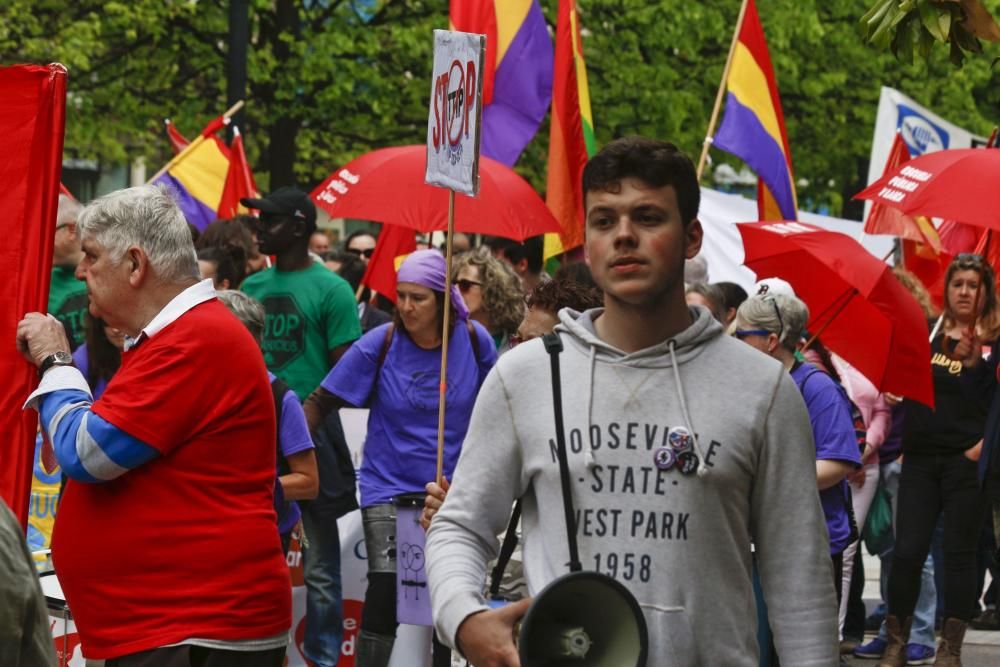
(394,370)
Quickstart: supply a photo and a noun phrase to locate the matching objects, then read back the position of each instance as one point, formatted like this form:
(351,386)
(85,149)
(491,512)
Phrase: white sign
(921,129)
(455,111)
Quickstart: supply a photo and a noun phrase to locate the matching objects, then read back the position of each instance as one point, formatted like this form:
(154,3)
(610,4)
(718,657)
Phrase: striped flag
(753,127)
(571,134)
(517,81)
(197,175)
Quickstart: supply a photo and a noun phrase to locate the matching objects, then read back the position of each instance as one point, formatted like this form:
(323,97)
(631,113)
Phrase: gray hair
(780,314)
(714,295)
(247,310)
(147,217)
(696,270)
(68,211)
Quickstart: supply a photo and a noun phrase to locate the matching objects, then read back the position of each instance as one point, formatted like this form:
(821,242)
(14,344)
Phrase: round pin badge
(680,439)
(664,458)
(687,463)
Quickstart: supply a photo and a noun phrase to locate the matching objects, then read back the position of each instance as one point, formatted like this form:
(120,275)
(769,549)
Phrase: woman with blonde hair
(492,291)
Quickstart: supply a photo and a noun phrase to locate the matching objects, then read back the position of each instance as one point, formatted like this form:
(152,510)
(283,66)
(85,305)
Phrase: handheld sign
(455,111)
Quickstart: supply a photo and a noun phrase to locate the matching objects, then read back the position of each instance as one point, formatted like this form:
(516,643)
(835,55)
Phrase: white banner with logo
(922,130)
(456,111)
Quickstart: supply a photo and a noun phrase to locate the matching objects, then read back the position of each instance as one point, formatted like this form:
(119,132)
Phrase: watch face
(63,358)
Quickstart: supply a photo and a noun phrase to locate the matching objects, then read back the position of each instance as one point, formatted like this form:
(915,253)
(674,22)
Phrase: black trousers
(929,486)
(199,656)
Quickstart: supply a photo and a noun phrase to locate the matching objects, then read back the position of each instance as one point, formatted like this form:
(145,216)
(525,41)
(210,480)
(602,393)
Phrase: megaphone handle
(554,346)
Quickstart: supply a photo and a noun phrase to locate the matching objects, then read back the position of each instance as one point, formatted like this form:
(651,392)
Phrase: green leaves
(912,26)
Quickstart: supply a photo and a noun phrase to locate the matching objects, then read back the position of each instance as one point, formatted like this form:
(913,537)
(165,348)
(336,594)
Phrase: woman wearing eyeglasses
(395,371)
(493,293)
(941,447)
(774,325)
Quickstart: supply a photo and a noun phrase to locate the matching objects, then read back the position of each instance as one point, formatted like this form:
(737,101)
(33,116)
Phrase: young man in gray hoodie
(684,447)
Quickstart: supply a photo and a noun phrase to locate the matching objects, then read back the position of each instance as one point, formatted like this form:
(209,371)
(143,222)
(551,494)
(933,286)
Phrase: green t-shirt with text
(308,313)
(68,302)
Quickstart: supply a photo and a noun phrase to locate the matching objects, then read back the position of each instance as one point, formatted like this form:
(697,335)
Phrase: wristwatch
(58,359)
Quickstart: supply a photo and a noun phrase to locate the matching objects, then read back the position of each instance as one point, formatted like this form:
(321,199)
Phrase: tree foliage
(330,79)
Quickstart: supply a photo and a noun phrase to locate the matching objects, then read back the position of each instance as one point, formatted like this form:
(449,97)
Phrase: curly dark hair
(553,295)
(656,163)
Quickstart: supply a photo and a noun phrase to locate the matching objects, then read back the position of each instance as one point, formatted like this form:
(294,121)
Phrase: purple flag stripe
(743,135)
(197,213)
(522,90)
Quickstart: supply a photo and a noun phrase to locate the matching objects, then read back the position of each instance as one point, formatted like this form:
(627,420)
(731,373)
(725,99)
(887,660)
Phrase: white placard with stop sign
(455,111)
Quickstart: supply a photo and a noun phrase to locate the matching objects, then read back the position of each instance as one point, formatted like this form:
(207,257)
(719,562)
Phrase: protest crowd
(540,408)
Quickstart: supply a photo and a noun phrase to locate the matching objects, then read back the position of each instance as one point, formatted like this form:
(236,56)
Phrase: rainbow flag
(753,127)
(571,134)
(197,175)
(517,81)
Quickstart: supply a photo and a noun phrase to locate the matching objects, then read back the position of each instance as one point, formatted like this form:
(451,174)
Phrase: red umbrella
(855,303)
(388,186)
(957,184)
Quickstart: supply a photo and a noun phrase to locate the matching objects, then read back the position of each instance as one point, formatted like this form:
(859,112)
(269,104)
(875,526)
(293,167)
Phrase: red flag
(239,180)
(394,242)
(177,140)
(887,220)
(929,266)
(32,118)
(571,133)
(65,191)
(478,16)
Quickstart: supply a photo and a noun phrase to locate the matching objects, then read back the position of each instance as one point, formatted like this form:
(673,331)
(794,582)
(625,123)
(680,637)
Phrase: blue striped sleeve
(88,447)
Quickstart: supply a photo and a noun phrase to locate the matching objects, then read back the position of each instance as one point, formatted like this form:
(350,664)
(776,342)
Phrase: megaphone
(583,619)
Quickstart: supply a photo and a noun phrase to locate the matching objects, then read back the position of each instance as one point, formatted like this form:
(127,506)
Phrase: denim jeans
(922,629)
(324,596)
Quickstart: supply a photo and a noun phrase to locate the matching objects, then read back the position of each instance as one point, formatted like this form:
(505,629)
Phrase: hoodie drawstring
(702,468)
(589,456)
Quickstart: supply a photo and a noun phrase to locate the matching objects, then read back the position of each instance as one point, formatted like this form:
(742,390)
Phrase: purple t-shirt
(83,365)
(833,431)
(400,454)
(293,436)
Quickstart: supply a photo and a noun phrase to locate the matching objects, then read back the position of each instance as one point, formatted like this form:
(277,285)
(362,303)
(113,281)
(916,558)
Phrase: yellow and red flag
(571,134)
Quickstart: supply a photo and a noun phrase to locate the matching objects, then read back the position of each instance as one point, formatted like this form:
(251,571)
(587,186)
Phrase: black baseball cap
(286,200)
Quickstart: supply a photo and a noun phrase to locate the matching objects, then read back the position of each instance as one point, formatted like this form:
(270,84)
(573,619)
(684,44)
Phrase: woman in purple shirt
(395,371)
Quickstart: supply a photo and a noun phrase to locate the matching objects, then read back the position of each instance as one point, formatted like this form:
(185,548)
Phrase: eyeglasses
(743,333)
(777,313)
(465,285)
(367,252)
(969,258)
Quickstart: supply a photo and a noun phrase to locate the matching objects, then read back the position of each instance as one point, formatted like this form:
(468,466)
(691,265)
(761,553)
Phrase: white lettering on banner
(914,173)
(891,195)
(903,183)
(786,228)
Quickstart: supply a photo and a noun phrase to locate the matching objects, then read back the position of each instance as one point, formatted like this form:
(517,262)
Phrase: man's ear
(772,342)
(693,235)
(521,267)
(138,265)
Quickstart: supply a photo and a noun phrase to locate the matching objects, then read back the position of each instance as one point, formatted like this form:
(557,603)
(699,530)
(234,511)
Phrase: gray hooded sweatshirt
(680,542)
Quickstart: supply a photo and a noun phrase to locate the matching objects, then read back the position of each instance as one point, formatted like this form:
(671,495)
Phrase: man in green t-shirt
(311,318)
(67,295)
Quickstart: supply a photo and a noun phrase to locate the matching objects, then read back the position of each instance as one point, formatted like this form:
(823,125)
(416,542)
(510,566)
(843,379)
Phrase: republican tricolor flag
(753,127)
(517,79)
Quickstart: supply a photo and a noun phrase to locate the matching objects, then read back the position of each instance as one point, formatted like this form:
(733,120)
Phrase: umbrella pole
(444,335)
(833,316)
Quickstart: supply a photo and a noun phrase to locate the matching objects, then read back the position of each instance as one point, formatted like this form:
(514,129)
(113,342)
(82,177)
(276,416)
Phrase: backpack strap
(389,330)
(278,390)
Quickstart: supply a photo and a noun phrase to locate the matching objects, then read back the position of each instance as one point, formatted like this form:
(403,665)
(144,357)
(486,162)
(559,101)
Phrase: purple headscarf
(427,268)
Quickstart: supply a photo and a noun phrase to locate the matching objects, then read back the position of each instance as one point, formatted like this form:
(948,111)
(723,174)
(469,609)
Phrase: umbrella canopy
(388,186)
(957,184)
(865,314)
